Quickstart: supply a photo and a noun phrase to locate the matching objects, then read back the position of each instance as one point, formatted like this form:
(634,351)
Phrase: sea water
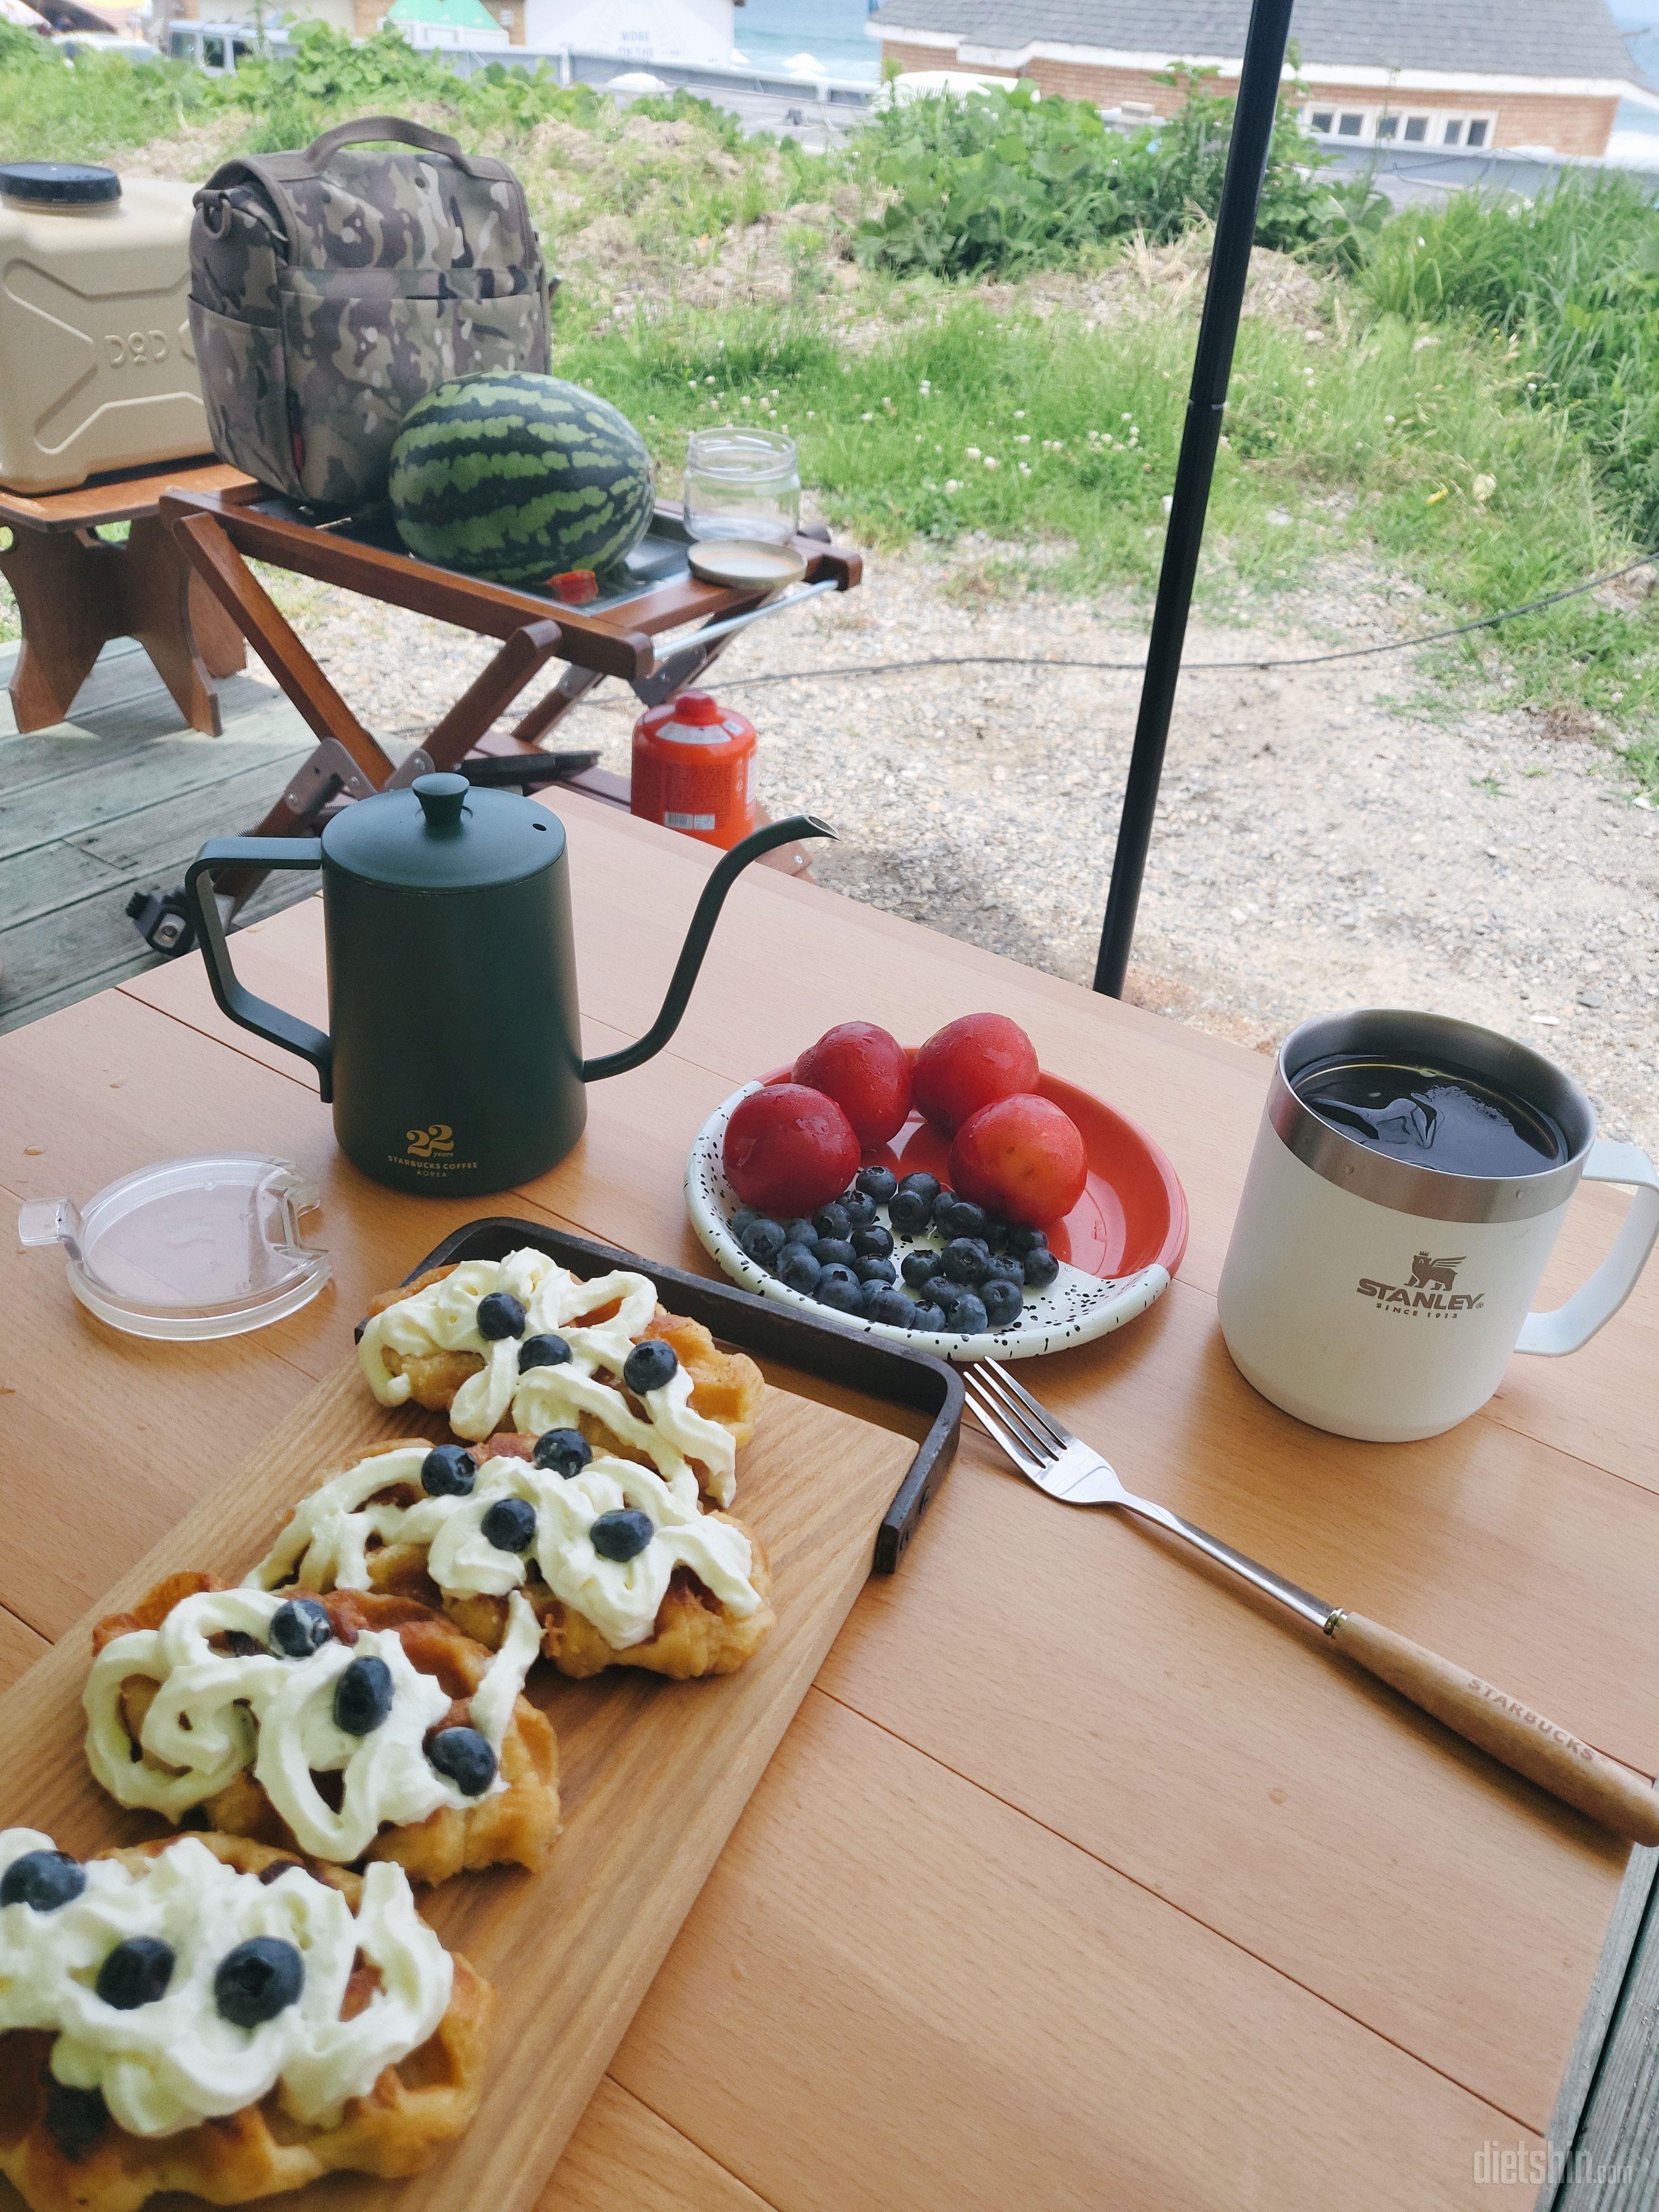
(771,32)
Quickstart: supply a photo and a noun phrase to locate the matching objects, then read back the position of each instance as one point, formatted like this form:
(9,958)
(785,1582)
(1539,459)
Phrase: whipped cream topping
(443,1317)
(325,1545)
(217,1713)
(177,2061)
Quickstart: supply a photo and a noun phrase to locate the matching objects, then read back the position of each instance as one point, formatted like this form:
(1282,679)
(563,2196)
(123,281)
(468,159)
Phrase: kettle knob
(442,797)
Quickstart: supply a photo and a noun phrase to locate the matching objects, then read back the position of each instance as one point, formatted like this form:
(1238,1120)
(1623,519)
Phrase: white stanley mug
(1381,1296)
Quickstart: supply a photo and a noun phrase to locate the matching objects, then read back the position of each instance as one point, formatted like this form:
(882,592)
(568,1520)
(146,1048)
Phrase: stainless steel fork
(1061,1465)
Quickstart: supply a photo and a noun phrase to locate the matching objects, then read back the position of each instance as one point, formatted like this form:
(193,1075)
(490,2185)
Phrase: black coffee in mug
(1432,1116)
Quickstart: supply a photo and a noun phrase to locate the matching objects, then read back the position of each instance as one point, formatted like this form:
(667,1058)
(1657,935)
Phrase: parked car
(218,48)
(71,44)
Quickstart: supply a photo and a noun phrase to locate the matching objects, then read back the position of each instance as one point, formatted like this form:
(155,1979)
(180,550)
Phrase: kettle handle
(256,1014)
(730,867)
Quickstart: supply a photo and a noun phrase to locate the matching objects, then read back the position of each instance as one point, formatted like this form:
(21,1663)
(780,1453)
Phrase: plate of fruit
(955,1197)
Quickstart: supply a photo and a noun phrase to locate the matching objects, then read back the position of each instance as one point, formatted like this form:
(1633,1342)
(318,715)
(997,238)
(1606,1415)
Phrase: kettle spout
(697,941)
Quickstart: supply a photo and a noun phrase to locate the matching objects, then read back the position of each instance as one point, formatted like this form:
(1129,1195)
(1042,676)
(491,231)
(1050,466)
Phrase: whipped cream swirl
(169,2064)
(326,1545)
(443,1317)
(218,1713)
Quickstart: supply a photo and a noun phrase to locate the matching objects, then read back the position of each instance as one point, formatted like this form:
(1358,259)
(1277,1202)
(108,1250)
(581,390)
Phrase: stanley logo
(1428,1289)
(430,1144)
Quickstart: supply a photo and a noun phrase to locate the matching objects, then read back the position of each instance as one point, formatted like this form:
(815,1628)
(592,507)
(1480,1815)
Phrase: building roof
(458,15)
(1510,38)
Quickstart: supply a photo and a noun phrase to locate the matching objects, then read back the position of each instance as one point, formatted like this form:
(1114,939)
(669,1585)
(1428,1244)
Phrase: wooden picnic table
(1079,1881)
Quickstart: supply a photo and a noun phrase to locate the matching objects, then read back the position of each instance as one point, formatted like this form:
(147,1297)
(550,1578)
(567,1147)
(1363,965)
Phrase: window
(213,53)
(1416,131)
(1350,125)
(1467,130)
(1322,121)
(1387,125)
(1477,131)
(1454,131)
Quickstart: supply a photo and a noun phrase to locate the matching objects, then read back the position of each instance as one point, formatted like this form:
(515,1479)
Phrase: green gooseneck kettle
(454,1057)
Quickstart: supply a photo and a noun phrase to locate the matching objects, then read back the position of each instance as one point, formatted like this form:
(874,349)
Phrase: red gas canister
(693,768)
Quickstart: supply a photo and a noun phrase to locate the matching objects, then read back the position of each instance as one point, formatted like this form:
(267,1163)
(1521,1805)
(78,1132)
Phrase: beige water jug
(96,370)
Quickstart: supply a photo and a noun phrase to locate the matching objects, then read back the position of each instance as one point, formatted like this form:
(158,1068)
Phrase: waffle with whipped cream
(351,1726)
(206,2014)
(620,1564)
(520,1343)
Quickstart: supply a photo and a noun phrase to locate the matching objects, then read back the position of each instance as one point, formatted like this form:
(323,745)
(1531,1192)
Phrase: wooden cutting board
(653,1774)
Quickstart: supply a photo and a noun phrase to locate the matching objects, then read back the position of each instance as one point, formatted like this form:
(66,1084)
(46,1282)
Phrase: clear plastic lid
(188,1248)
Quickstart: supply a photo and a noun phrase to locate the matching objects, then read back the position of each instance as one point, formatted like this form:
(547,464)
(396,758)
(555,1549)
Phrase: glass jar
(741,483)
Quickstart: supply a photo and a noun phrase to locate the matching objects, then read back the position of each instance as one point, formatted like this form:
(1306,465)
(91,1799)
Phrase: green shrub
(1005,180)
(103,105)
(1572,280)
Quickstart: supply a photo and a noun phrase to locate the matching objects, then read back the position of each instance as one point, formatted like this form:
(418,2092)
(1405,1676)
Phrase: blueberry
(875,1271)
(763,1240)
(1005,1268)
(362,1697)
(858,1208)
(874,1244)
(878,1183)
(43,1880)
(621,1535)
(969,1318)
(500,1314)
(448,1470)
(919,1268)
(965,1260)
(541,1352)
(464,1757)
(1002,1301)
(943,1292)
(840,1289)
(1041,1267)
(924,1186)
(75,2118)
(136,1973)
(799,1231)
(883,1303)
(1015,1237)
(510,1523)
(742,1218)
(831,1221)
(834,1252)
(800,1268)
(300,1627)
(652,1364)
(929,1316)
(258,1979)
(910,1211)
(961,1217)
(561,1451)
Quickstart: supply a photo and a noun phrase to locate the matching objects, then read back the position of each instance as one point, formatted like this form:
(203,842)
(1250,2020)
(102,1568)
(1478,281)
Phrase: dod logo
(428,1144)
(1428,1290)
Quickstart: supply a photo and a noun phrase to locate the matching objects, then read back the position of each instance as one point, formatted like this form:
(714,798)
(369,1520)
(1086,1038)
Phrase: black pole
(1256,108)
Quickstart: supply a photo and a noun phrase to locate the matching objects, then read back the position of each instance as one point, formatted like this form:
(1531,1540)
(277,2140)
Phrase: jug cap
(443,833)
(58,184)
(190,1248)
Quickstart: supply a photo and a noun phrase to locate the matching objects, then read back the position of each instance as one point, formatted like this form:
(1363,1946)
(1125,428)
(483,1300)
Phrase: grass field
(1471,397)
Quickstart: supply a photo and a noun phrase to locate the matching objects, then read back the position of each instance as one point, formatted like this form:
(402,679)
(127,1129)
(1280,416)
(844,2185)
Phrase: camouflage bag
(330,290)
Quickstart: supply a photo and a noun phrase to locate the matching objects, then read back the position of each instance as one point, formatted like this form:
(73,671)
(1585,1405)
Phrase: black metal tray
(756,1325)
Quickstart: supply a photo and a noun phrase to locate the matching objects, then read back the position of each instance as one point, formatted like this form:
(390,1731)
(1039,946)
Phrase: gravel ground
(1328,837)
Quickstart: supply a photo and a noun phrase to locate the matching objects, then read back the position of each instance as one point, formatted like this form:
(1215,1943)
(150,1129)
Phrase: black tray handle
(890,1371)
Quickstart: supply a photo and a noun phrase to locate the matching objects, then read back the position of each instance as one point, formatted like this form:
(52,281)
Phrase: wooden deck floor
(116,800)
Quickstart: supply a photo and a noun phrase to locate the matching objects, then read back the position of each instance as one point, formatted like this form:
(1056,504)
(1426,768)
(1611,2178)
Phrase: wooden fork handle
(1544,1752)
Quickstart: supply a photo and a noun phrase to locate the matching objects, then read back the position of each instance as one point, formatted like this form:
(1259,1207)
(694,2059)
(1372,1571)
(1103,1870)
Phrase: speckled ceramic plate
(1117,1248)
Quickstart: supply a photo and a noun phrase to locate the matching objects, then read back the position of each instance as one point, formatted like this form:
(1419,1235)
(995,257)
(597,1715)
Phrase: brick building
(1534,74)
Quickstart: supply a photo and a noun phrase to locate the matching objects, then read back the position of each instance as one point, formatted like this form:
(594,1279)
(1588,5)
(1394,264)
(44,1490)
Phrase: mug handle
(1596,1301)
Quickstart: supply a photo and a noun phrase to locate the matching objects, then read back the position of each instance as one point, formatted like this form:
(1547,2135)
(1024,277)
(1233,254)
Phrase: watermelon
(516,477)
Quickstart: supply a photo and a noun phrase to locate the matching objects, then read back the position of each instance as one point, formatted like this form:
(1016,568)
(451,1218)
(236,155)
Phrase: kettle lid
(443,833)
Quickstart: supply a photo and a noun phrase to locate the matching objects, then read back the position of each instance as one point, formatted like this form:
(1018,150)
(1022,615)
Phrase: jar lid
(190,1248)
(58,184)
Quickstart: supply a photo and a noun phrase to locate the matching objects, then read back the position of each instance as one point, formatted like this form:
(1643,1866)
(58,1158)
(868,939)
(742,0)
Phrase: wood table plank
(895,1991)
(20,1647)
(1126,1712)
(624,2158)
